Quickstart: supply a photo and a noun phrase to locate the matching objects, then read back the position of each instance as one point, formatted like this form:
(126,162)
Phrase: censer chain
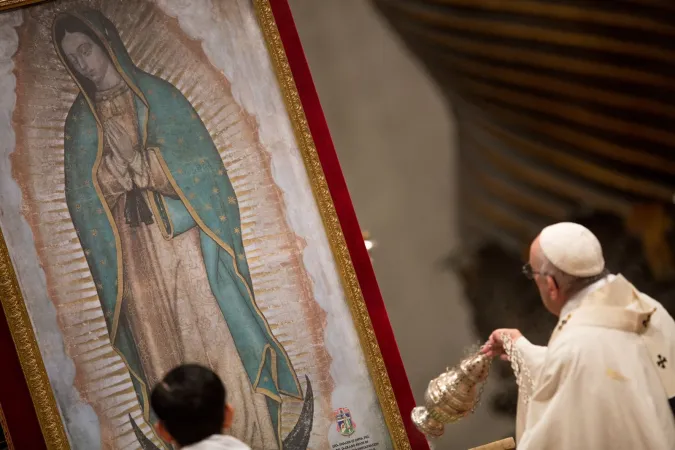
(520,369)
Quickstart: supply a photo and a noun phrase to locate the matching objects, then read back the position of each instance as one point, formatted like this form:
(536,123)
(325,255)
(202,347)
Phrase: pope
(606,379)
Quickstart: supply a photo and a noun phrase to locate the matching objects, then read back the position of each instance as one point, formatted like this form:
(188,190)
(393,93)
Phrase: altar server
(193,412)
(606,380)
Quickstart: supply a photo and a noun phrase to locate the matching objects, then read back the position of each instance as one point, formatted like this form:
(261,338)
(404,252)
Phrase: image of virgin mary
(158,220)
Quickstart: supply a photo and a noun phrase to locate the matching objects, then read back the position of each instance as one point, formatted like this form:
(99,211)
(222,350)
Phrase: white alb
(219,442)
(604,380)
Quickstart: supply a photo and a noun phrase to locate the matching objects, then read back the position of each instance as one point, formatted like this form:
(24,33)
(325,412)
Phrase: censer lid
(476,367)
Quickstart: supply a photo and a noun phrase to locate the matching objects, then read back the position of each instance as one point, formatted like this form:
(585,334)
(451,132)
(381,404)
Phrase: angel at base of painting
(159,223)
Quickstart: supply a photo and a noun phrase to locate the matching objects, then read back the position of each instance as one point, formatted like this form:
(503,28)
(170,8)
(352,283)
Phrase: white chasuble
(606,376)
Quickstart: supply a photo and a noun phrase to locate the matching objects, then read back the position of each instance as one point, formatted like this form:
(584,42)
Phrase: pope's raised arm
(532,355)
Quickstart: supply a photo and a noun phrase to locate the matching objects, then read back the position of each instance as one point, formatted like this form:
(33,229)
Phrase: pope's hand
(119,140)
(495,345)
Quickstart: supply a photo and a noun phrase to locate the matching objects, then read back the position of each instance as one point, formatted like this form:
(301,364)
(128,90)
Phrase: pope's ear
(552,287)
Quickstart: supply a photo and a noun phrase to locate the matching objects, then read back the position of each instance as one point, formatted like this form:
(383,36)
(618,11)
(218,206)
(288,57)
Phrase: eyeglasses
(529,272)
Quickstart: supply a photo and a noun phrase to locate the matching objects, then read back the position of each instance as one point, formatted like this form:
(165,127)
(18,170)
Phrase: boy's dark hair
(190,402)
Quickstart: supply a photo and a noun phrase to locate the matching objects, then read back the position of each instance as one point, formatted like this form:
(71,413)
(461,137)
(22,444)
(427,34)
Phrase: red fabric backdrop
(14,395)
(347,217)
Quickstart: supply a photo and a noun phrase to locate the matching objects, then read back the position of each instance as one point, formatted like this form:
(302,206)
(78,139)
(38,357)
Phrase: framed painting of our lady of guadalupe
(169,194)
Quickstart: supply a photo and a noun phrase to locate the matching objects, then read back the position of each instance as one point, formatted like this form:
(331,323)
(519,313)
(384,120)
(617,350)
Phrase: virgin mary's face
(85,56)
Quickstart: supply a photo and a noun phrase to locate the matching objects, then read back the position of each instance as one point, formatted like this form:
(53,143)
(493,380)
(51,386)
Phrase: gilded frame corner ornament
(20,324)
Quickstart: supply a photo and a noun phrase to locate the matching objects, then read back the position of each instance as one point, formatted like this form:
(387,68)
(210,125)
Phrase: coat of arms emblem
(345,424)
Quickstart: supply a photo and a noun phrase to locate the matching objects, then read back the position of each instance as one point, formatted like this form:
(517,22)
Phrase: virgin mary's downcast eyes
(87,58)
(85,49)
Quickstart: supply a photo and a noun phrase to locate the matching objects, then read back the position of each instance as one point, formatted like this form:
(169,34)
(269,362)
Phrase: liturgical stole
(620,306)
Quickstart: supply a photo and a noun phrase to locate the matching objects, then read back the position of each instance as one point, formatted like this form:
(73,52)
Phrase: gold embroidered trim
(520,369)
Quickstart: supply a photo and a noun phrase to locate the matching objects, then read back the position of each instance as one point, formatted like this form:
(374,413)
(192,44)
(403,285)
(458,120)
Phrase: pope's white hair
(567,284)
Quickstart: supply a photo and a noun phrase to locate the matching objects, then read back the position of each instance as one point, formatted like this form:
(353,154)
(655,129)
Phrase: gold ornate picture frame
(339,228)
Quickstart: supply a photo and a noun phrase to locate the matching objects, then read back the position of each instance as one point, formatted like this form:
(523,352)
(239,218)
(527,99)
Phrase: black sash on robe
(136,209)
